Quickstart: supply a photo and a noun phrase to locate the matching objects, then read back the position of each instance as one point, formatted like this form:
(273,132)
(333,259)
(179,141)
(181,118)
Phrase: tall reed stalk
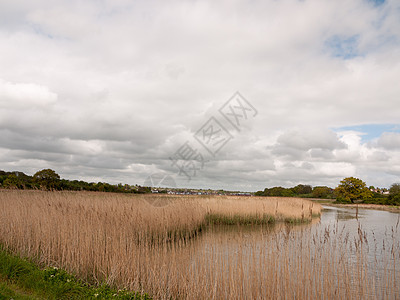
(170,252)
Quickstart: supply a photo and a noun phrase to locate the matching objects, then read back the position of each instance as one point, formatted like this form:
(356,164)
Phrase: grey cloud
(311,139)
(389,140)
(110,89)
(289,152)
(321,154)
(305,144)
(378,156)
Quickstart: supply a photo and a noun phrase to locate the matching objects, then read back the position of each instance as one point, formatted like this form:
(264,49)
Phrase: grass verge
(22,279)
(9,290)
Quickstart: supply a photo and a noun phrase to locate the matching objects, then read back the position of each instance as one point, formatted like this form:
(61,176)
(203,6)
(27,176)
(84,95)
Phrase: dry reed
(125,241)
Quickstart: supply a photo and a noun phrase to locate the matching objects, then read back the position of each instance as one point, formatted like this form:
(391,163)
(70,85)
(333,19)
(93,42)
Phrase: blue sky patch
(377,2)
(370,131)
(344,47)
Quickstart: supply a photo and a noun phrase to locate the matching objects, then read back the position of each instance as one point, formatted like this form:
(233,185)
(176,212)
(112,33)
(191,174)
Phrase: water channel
(345,247)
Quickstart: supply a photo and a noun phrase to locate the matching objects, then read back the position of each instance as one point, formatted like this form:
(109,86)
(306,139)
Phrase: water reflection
(364,237)
(340,255)
(375,225)
(372,221)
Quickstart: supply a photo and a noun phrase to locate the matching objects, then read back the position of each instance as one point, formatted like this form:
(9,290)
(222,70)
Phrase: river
(347,252)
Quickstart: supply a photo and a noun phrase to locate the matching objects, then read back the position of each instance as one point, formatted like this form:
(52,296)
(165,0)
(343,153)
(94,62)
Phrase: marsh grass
(221,219)
(175,251)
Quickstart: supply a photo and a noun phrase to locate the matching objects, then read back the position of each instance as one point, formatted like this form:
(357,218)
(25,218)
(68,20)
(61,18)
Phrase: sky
(234,95)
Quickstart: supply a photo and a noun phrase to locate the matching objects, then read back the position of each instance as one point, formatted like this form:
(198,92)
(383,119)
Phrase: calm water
(378,230)
(377,225)
(371,221)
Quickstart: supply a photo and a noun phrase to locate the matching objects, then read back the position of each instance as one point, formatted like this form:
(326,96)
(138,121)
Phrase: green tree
(394,194)
(351,189)
(259,193)
(144,190)
(12,182)
(302,189)
(321,192)
(287,193)
(394,189)
(276,191)
(47,179)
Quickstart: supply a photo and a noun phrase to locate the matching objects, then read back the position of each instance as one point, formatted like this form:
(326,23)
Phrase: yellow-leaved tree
(351,189)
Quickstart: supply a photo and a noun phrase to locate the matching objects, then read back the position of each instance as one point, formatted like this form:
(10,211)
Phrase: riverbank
(20,278)
(395,209)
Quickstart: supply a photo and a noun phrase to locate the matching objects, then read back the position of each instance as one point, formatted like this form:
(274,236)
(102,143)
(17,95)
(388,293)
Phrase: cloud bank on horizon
(109,90)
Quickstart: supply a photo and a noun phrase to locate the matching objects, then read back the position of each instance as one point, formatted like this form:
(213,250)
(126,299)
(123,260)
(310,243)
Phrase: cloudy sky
(118,90)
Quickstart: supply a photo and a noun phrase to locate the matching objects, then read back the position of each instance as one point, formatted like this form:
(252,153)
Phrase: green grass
(220,219)
(9,290)
(297,221)
(22,279)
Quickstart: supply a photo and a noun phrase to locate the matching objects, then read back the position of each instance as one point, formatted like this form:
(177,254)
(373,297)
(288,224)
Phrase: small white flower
(96,295)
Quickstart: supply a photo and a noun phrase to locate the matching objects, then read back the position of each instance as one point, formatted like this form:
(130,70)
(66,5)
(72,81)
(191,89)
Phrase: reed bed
(259,210)
(172,251)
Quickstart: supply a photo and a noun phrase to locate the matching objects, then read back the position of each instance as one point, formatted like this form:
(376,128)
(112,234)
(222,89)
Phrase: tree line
(300,190)
(349,190)
(48,179)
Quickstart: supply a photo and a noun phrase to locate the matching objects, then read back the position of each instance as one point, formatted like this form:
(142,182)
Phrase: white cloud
(25,95)
(112,88)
